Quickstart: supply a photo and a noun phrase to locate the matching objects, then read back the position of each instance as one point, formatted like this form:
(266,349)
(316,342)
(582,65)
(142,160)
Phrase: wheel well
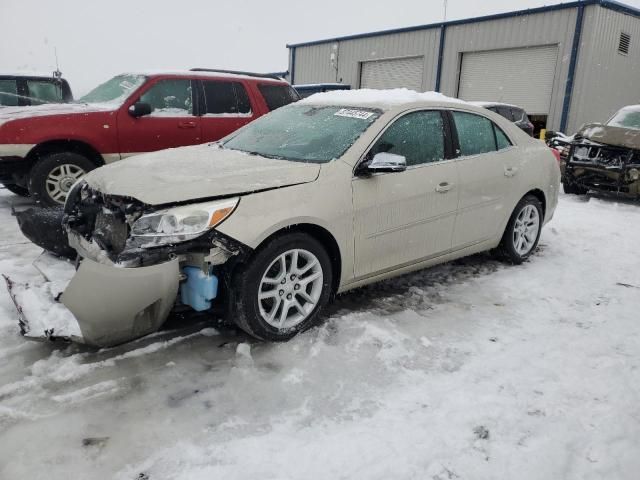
(324,237)
(539,194)
(59,146)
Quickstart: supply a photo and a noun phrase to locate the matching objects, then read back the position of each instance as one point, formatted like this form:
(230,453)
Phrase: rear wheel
(52,177)
(283,288)
(17,189)
(521,236)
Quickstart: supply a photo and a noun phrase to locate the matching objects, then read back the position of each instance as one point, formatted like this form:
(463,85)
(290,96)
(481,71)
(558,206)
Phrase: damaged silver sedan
(316,198)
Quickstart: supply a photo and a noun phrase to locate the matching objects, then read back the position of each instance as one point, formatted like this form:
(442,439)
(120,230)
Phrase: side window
(8,93)
(518,114)
(225,97)
(417,136)
(44,92)
(277,96)
(505,112)
(475,134)
(170,98)
(501,138)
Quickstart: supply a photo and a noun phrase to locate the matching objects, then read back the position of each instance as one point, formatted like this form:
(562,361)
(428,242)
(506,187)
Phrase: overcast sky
(98,39)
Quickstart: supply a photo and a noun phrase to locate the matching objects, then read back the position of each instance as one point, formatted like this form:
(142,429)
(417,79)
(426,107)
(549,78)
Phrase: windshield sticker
(350,113)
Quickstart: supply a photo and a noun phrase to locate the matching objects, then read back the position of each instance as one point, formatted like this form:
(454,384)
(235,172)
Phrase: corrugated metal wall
(554,27)
(420,43)
(605,79)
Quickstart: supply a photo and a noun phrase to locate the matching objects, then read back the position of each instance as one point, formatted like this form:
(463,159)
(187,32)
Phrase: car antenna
(57,74)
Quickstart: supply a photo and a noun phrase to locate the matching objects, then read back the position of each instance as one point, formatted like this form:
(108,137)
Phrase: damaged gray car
(316,198)
(605,157)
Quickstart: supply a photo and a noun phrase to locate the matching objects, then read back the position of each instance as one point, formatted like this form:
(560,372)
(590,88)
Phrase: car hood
(617,136)
(8,114)
(198,172)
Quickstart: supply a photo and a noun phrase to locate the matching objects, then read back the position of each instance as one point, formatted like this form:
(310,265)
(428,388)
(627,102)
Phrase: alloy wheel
(61,179)
(290,289)
(526,229)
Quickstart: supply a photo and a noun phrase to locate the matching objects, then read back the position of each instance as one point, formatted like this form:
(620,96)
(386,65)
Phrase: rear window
(506,112)
(225,98)
(8,93)
(277,96)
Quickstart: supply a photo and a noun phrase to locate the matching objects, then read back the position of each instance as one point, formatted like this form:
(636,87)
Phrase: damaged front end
(593,165)
(136,263)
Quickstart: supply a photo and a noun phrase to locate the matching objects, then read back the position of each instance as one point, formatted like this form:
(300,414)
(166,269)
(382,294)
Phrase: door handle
(444,187)
(510,171)
(187,124)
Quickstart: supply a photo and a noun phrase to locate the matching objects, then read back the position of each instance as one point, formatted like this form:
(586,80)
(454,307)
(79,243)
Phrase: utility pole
(445,10)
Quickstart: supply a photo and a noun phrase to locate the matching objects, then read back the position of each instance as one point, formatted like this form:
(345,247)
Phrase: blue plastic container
(198,289)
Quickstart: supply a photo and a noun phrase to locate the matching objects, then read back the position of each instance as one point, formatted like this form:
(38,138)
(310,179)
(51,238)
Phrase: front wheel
(521,236)
(282,289)
(53,175)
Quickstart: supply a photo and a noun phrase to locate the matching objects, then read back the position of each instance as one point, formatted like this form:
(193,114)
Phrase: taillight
(556,154)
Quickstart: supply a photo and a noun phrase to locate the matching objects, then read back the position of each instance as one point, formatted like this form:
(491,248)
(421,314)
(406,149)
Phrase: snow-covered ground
(472,370)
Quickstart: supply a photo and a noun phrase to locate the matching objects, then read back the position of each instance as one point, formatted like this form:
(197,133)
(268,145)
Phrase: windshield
(626,118)
(304,133)
(114,91)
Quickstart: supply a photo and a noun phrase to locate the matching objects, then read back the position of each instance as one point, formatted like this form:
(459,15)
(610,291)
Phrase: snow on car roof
(384,99)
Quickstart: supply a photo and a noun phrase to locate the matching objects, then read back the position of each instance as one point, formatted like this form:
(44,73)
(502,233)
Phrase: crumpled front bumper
(102,305)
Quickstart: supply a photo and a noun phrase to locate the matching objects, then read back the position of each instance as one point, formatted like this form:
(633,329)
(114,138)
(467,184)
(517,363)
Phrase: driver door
(406,217)
(171,123)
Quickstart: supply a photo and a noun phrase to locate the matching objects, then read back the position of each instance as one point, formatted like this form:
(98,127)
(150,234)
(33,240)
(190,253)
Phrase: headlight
(180,224)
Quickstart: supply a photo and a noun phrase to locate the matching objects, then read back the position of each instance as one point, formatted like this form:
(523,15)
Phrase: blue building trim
(609,4)
(575,50)
(443,35)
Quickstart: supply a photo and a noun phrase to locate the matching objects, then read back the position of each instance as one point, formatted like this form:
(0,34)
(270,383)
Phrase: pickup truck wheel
(17,189)
(521,236)
(53,175)
(283,288)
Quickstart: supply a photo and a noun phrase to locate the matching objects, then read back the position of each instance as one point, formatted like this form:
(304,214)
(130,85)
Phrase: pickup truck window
(225,98)
(8,93)
(277,96)
(115,90)
(44,92)
(170,98)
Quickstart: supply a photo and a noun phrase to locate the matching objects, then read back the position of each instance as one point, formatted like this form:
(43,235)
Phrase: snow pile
(470,370)
(380,98)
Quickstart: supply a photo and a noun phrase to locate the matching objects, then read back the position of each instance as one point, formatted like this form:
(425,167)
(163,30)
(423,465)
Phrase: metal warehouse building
(566,64)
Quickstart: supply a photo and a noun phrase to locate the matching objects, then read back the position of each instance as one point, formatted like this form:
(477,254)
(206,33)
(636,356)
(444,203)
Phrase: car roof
(495,104)
(204,74)
(15,75)
(394,99)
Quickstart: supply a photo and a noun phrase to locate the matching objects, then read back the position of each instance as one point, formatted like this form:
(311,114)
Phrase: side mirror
(386,163)
(139,109)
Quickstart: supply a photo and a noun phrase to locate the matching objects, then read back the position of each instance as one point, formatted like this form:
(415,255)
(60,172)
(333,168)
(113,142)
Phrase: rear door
(487,166)
(172,122)
(225,107)
(404,217)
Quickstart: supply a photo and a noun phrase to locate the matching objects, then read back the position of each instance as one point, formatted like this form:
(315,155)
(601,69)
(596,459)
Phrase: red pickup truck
(45,149)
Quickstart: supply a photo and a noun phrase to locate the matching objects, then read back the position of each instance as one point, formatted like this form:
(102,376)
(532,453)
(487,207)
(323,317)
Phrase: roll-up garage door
(393,73)
(520,76)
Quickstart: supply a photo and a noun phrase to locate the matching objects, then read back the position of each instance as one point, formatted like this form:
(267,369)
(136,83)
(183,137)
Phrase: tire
(17,189)
(262,274)
(53,176)
(573,189)
(528,210)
